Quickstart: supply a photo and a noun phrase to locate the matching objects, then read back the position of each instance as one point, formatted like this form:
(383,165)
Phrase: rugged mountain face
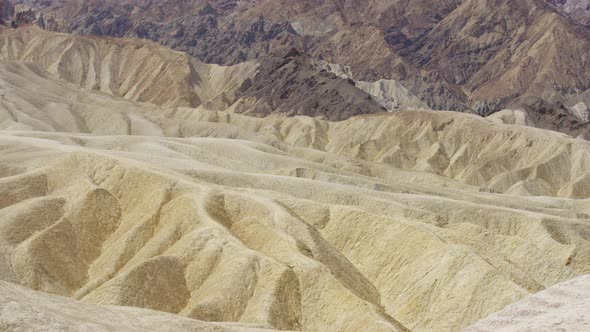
(499,50)
(284,84)
(454,55)
(204,29)
(229,32)
(557,117)
(290,84)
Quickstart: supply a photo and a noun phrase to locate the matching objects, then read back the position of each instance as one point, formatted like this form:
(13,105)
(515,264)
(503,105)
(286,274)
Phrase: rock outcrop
(578,10)
(563,307)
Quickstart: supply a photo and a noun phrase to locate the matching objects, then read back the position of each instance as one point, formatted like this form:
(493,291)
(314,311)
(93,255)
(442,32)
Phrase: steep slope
(133,69)
(563,307)
(6,11)
(229,32)
(473,50)
(499,50)
(389,93)
(557,117)
(452,54)
(285,84)
(289,84)
(359,34)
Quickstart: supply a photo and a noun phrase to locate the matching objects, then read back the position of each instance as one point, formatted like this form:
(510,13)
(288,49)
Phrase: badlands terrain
(461,55)
(137,192)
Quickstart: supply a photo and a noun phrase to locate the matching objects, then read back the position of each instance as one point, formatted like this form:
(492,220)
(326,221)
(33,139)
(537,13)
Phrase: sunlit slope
(499,158)
(140,70)
(134,69)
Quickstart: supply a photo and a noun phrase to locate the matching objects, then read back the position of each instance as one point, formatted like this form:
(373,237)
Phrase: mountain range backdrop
(477,56)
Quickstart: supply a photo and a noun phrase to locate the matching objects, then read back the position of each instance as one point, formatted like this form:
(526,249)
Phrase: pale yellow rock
(508,116)
(331,244)
(392,95)
(134,69)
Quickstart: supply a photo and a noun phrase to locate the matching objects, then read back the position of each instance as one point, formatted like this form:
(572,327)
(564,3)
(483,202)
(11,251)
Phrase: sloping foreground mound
(222,229)
(563,307)
(134,69)
(22,309)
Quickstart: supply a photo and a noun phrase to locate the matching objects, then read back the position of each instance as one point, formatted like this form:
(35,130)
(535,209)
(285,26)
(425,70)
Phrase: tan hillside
(466,148)
(134,69)
(26,310)
(418,220)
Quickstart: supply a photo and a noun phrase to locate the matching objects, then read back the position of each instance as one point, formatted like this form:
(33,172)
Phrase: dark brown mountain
(6,11)
(462,55)
(290,84)
(554,116)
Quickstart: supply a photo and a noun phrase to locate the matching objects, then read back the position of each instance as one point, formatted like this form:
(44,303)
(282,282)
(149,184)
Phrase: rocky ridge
(578,10)
(285,84)
(505,52)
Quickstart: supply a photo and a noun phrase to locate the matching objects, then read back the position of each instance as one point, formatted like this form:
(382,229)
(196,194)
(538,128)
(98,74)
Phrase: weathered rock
(6,11)
(450,54)
(578,10)
(563,307)
(285,83)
